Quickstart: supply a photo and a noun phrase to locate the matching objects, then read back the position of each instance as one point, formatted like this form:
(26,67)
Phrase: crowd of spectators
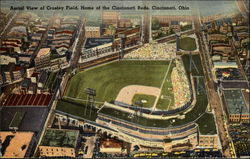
(180,84)
(154,51)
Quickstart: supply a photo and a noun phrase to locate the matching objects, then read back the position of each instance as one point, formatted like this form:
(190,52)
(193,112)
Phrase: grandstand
(180,85)
(146,126)
(162,51)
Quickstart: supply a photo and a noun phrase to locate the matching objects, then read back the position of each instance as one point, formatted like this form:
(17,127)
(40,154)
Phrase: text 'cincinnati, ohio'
(148,8)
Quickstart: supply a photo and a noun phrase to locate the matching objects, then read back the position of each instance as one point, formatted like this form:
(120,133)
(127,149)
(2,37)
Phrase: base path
(127,93)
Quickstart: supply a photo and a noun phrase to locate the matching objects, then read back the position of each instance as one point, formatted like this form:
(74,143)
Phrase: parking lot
(240,136)
(189,153)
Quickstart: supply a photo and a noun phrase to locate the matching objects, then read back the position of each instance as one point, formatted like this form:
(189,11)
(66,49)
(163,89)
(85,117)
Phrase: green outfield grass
(187,44)
(109,79)
(207,124)
(166,100)
(140,97)
(77,108)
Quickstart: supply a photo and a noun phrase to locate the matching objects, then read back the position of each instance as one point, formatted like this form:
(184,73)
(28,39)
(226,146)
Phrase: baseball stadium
(154,103)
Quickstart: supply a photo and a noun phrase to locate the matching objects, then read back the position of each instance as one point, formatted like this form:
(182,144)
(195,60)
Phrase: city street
(73,62)
(7,27)
(212,94)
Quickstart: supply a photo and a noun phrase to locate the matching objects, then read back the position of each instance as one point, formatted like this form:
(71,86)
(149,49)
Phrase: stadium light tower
(91,93)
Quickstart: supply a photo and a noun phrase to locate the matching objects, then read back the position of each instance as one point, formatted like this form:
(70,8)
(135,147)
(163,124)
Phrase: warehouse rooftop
(60,138)
(235,101)
(93,42)
(15,145)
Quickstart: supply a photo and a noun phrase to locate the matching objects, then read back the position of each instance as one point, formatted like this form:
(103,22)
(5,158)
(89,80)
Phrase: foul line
(163,81)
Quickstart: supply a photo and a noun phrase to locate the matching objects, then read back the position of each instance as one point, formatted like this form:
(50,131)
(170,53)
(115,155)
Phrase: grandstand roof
(235,101)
